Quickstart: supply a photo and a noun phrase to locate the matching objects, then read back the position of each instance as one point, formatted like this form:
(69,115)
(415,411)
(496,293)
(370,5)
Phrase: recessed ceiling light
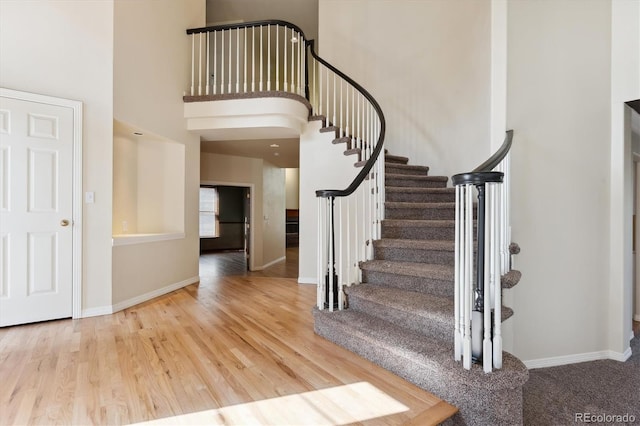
(137,133)
(274,145)
(276,154)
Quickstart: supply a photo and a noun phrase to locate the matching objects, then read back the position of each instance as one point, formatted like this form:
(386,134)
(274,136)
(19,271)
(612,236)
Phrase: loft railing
(266,56)
(478,299)
(248,57)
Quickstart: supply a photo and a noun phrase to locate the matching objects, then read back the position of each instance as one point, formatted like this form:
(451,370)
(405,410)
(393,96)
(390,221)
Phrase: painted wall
(303,13)
(322,166)
(273,210)
(559,104)
(267,200)
(428,65)
(65,49)
(151,71)
(292,182)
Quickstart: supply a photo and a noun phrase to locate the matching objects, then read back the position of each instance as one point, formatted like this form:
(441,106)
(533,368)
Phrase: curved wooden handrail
(325,193)
(483,173)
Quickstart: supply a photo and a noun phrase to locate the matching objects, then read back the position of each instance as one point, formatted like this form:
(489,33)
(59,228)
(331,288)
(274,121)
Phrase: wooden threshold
(229,350)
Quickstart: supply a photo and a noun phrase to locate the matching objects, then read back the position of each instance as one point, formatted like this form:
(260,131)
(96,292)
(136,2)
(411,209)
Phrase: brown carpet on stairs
(401,317)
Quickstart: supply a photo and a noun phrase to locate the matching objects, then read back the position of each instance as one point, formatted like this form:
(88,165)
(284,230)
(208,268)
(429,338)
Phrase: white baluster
(300,62)
(222,62)
(277,58)
(261,58)
(269,57)
(293,85)
(319,275)
(253,59)
(312,91)
(193,64)
(487,349)
(349,241)
(335,122)
(340,253)
(244,80)
(341,133)
(230,62)
(238,60)
(330,253)
(215,62)
(320,92)
(284,68)
(497,284)
(466,357)
(207,75)
(457,277)
(328,114)
(199,64)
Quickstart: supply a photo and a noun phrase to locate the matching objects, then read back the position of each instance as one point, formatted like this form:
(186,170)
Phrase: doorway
(225,221)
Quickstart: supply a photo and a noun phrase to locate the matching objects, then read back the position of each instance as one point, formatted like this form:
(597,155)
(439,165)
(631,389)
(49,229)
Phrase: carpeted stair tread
(423,313)
(415,181)
(411,356)
(396,159)
(442,245)
(418,229)
(514,248)
(343,139)
(422,270)
(417,195)
(404,210)
(394,168)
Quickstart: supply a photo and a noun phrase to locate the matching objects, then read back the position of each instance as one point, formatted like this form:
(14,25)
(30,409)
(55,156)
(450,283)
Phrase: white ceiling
(285,155)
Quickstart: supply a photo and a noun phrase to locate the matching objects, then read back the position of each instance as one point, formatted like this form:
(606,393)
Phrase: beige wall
(65,49)
(267,200)
(303,13)
(273,210)
(292,182)
(428,65)
(151,71)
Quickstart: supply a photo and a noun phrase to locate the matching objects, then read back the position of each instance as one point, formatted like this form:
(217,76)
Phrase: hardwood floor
(233,349)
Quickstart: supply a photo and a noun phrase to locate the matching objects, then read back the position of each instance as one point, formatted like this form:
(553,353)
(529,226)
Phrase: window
(209,220)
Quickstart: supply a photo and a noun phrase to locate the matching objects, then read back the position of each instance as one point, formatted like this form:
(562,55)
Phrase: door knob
(64,222)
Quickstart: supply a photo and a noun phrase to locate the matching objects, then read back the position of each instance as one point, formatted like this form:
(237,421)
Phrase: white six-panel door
(36,237)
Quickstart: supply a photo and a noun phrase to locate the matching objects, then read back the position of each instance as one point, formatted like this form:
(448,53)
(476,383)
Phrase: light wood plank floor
(236,349)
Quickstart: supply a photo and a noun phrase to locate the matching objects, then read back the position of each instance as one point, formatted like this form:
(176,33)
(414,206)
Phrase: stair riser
(435,327)
(399,170)
(421,213)
(418,233)
(478,406)
(433,286)
(408,197)
(407,182)
(439,257)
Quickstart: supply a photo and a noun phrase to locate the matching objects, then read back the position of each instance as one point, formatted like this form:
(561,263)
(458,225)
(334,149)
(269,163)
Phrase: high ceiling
(285,155)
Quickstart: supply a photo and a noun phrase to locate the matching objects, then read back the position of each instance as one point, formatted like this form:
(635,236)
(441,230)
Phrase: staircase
(402,316)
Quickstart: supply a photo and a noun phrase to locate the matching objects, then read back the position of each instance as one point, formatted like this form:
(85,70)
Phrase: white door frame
(76,256)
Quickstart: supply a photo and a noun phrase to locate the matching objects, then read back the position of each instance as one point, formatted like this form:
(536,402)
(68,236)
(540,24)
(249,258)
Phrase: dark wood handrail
(324,193)
(483,173)
(246,25)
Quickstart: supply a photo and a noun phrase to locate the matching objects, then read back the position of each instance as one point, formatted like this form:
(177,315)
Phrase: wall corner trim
(307,280)
(96,312)
(153,294)
(577,358)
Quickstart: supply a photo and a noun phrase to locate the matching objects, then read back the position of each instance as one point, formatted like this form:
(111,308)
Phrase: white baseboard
(96,312)
(153,294)
(307,280)
(636,317)
(273,262)
(576,358)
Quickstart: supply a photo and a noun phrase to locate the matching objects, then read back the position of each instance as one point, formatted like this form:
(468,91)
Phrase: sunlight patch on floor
(332,406)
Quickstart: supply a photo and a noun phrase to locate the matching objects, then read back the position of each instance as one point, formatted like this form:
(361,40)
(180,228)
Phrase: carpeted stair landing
(401,317)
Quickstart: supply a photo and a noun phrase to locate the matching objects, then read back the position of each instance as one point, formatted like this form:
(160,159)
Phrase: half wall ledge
(238,116)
